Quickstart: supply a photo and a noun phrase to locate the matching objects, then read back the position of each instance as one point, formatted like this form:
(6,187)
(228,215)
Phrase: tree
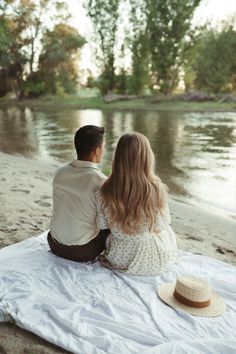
(104,15)
(157,35)
(57,62)
(139,46)
(168,23)
(23,23)
(13,44)
(4,57)
(214,63)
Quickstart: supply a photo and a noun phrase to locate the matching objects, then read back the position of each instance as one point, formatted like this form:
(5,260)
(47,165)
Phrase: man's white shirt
(74,208)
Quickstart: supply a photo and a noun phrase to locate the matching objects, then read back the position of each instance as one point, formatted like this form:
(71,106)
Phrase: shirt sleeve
(100,217)
(166,214)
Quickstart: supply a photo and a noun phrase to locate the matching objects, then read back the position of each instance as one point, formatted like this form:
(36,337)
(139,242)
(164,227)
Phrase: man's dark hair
(88,138)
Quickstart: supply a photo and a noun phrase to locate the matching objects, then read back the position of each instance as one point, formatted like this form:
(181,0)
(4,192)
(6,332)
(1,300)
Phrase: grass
(140,104)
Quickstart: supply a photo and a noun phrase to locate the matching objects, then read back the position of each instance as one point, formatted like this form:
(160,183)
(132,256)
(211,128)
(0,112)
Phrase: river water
(195,152)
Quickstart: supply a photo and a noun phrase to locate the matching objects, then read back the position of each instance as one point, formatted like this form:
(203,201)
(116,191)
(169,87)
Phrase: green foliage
(139,46)
(104,15)
(34,86)
(39,51)
(168,23)
(23,24)
(4,56)
(91,82)
(122,83)
(140,65)
(13,45)
(214,64)
(4,39)
(57,62)
(156,36)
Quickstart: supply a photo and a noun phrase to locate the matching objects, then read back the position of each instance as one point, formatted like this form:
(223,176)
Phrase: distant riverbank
(148,103)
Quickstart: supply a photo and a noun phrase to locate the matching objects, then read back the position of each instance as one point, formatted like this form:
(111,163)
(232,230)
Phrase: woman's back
(132,203)
(142,253)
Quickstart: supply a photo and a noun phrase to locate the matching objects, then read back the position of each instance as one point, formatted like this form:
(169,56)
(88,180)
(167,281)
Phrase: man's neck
(86,159)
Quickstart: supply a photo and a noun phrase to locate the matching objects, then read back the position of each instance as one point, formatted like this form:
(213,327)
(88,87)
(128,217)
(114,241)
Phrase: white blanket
(88,309)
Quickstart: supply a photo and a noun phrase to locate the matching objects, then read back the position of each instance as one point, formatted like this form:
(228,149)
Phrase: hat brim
(216,308)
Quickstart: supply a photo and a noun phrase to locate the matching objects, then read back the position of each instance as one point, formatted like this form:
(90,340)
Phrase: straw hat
(192,295)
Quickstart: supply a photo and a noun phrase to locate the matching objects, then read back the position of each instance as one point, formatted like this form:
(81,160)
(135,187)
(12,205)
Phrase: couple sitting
(125,215)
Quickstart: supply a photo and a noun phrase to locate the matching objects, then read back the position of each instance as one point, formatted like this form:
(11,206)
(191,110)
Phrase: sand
(26,206)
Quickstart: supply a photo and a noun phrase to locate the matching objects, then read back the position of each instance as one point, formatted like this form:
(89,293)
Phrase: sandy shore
(26,206)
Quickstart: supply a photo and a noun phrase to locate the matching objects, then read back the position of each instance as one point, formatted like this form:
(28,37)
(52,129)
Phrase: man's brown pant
(83,253)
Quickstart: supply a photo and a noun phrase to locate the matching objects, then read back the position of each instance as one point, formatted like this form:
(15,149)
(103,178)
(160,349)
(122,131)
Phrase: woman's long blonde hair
(133,193)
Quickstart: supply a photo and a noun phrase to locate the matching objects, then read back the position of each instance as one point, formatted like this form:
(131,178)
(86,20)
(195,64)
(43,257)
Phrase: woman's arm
(100,217)
(166,214)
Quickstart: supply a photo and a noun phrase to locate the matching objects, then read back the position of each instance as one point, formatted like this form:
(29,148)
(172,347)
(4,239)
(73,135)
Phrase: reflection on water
(195,152)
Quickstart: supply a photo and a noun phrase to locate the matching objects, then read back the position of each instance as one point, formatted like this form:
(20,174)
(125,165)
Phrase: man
(73,230)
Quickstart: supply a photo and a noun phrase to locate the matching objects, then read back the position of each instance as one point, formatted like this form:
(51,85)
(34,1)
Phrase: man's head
(89,143)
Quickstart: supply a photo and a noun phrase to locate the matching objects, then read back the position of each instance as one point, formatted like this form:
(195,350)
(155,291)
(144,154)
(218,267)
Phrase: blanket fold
(85,308)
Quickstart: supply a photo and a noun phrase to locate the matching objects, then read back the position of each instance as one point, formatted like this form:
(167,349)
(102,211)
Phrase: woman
(132,203)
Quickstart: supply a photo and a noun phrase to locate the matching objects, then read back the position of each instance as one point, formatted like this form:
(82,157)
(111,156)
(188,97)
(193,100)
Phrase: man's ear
(96,151)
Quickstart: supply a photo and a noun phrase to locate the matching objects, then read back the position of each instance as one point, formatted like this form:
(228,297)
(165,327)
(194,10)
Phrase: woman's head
(133,193)
(133,154)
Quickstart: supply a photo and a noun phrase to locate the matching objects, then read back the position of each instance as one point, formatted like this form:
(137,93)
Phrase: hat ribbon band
(196,304)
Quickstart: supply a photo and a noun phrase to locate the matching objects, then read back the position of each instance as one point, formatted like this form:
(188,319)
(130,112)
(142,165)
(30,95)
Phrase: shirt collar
(83,164)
